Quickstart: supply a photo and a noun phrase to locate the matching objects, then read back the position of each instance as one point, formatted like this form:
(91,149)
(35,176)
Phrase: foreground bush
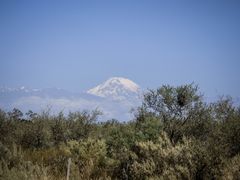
(174,135)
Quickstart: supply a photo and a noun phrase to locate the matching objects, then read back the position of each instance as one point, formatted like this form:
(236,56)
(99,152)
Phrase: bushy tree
(36,133)
(59,129)
(81,123)
(181,109)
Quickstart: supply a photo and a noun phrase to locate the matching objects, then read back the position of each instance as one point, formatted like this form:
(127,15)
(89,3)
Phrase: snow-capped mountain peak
(116,88)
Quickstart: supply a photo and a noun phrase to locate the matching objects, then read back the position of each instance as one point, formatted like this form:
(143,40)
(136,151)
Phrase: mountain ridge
(119,96)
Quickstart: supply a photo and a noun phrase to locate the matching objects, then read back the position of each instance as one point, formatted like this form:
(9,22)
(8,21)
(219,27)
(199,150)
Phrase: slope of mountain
(115,98)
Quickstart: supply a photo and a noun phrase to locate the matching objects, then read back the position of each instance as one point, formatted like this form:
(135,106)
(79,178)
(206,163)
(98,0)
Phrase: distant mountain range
(114,97)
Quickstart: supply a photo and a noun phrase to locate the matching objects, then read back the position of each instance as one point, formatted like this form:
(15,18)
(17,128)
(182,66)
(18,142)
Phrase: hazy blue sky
(77,44)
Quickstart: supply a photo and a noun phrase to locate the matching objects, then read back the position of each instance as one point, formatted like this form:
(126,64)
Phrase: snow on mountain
(19,89)
(116,88)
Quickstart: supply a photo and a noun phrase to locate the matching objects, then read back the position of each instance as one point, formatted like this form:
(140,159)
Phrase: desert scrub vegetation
(174,135)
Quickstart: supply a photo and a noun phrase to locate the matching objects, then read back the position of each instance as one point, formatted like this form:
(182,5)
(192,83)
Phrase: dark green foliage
(174,135)
(175,107)
(36,133)
(59,129)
